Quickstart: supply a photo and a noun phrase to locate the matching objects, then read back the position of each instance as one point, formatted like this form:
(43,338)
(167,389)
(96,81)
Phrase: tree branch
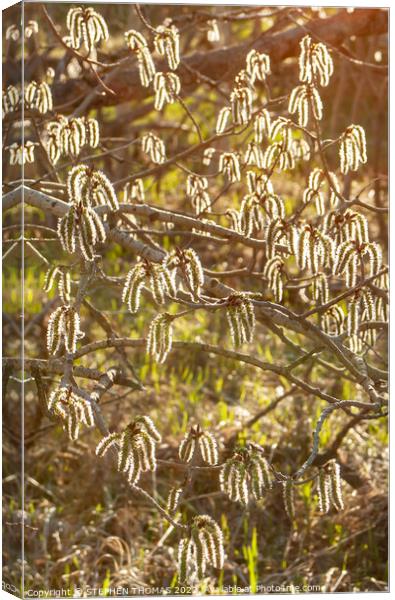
(224,63)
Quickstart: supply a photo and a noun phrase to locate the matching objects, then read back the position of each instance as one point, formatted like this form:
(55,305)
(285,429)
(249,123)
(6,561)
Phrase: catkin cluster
(361,307)
(38,96)
(315,62)
(305,99)
(241,104)
(260,184)
(87,188)
(167,86)
(61,276)
(332,321)
(314,191)
(160,278)
(63,324)
(86,26)
(300,149)
(246,475)
(257,211)
(173,499)
(241,318)
(10,99)
(201,548)
(167,43)
(72,408)
(352,149)
(21,154)
(196,189)
(274,271)
(315,249)
(262,125)
(248,220)
(160,337)
(137,43)
(257,66)
(281,231)
(329,487)
(81,226)
(134,190)
(188,263)
(254,155)
(67,137)
(320,288)
(198,440)
(136,447)
(154,147)
(349,256)
(280,153)
(229,165)
(222,119)
(346,226)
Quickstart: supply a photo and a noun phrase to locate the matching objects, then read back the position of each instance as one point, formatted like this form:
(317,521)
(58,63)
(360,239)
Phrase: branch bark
(264,310)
